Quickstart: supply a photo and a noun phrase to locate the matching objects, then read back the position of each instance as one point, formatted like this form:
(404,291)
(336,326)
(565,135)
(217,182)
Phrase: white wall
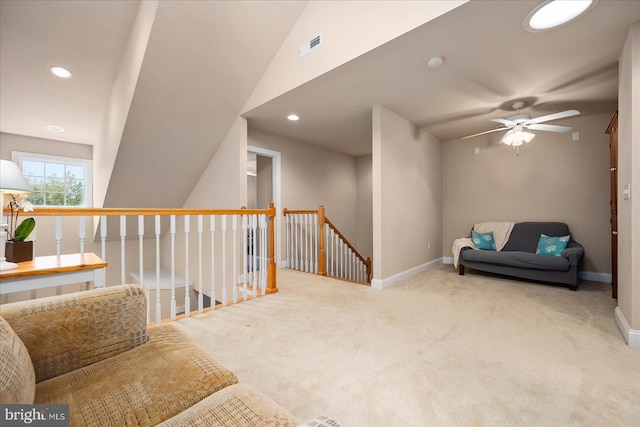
(628,310)
(377,23)
(407,198)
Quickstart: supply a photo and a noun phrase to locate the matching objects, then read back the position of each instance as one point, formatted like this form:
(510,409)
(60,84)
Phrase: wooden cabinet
(612,131)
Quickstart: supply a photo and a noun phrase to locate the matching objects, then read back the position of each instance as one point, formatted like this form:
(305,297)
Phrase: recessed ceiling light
(293,117)
(555,13)
(60,72)
(55,129)
(435,62)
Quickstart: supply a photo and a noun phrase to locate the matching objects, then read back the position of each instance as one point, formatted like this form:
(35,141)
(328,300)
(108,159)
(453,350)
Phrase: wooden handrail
(80,211)
(50,211)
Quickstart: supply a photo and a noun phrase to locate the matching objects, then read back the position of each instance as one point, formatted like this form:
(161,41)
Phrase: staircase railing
(236,261)
(315,245)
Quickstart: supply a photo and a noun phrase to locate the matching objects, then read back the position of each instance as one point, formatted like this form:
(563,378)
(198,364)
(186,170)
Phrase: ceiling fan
(517,125)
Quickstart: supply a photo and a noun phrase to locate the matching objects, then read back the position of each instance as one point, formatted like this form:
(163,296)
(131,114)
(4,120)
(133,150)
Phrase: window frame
(19,156)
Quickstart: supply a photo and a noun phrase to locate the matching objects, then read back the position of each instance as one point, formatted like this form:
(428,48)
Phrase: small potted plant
(18,249)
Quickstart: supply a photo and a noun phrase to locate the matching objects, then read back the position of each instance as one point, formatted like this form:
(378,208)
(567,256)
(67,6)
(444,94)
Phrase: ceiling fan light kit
(517,126)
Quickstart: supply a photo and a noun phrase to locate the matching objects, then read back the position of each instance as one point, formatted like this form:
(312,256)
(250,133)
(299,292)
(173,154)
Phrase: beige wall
(553,179)
(312,176)
(264,182)
(117,111)
(407,196)
(364,231)
(377,23)
(10,142)
(629,172)
(223,185)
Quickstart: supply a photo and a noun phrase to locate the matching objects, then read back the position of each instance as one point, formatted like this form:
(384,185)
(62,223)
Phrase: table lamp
(11,182)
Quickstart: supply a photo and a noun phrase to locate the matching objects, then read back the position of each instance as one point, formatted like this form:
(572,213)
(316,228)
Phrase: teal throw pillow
(552,246)
(483,240)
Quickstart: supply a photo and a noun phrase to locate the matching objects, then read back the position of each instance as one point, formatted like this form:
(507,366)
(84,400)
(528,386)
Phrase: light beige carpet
(438,350)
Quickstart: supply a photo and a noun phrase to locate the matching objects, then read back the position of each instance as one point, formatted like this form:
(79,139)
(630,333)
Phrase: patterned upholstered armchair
(93,351)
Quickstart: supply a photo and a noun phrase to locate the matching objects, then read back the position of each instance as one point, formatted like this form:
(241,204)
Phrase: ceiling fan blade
(504,122)
(549,128)
(485,132)
(554,116)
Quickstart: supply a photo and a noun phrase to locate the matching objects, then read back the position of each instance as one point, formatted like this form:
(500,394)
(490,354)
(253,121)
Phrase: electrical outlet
(429,246)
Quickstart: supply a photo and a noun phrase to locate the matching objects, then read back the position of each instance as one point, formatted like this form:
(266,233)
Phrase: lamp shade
(11,179)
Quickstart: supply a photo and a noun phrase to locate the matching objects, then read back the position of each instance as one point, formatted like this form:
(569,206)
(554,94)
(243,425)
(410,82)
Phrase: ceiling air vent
(309,45)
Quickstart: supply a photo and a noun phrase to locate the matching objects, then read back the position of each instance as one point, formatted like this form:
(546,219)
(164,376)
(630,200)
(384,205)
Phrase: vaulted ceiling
(204,58)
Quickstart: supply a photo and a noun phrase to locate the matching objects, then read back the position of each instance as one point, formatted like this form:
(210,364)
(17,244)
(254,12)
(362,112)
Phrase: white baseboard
(404,275)
(283,264)
(631,336)
(447,260)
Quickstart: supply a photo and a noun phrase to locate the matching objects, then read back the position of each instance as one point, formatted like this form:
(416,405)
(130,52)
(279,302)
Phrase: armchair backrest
(66,332)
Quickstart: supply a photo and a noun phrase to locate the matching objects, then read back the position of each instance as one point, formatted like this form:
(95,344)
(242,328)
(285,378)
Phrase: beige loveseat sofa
(93,351)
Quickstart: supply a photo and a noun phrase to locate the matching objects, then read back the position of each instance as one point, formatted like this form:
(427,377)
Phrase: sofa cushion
(524,236)
(143,386)
(66,332)
(17,377)
(236,405)
(517,259)
(552,246)
(483,241)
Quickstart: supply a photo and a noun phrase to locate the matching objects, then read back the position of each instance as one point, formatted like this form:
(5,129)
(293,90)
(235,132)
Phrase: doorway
(264,187)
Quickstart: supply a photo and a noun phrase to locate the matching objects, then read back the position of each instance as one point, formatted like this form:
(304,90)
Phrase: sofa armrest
(66,332)
(574,252)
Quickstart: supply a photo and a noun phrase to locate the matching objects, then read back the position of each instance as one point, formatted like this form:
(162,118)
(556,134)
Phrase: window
(57,181)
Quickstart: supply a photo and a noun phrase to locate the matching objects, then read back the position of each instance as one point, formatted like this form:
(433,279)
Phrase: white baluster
(330,251)
(245,247)
(294,220)
(141,249)
(158,305)
(123,237)
(200,296)
(224,260)
(187,287)
(315,244)
(254,254)
(212,227)
(307,220)
(287,227)
(263,254)
(172,233)
(81,233)
(234,228)
(58,234)
(140,258)
(103,236)
(342,256)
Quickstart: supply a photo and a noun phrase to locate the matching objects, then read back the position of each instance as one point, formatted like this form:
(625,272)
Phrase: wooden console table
(52,271)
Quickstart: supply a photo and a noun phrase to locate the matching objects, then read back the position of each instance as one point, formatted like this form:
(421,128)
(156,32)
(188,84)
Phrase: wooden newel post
(367,263)
(322,268)
(272,288)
